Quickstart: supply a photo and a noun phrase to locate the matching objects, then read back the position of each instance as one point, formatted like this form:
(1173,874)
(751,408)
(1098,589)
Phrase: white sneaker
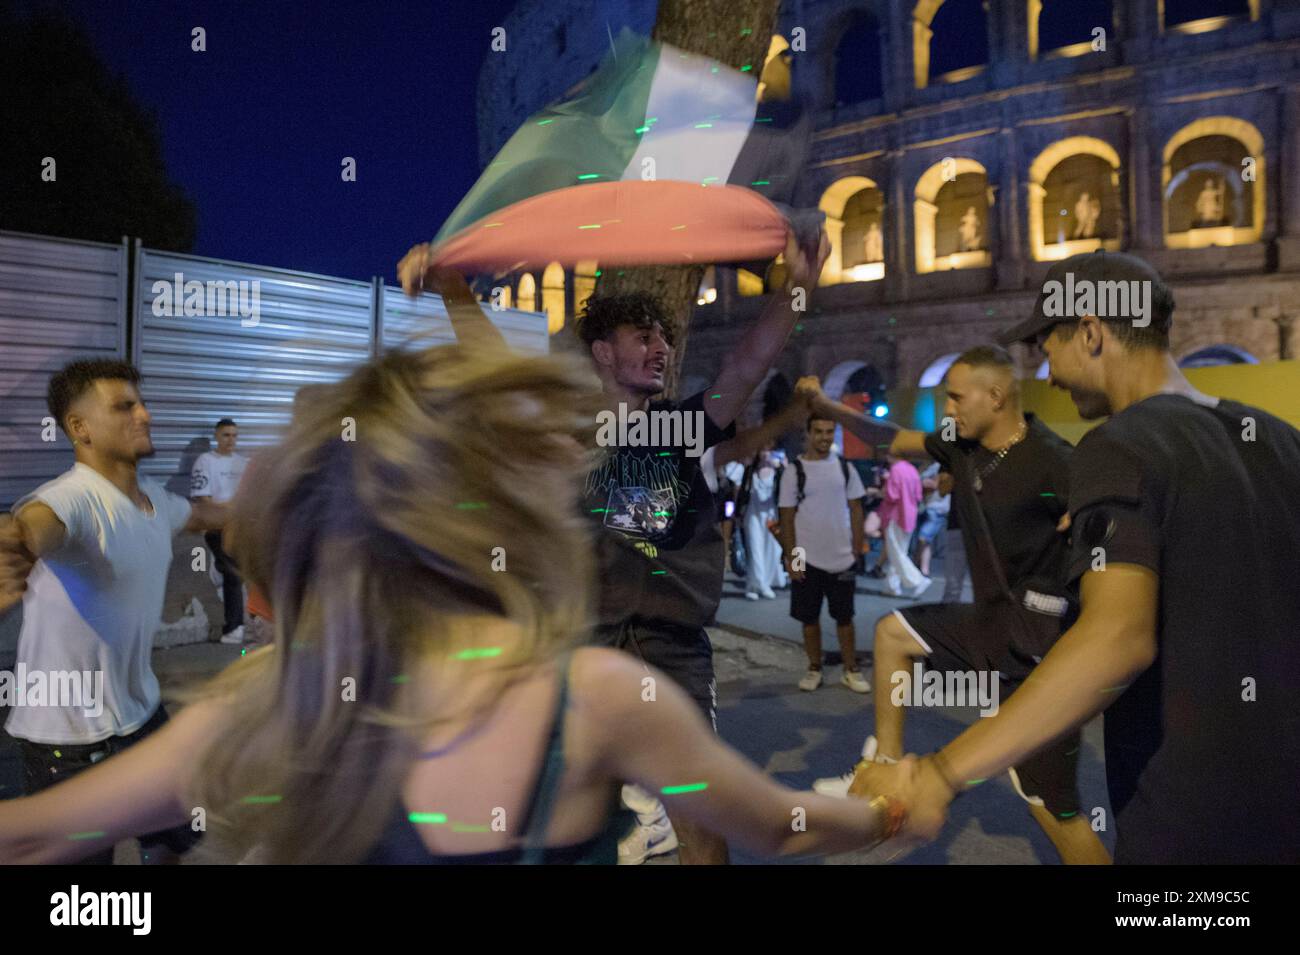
(839,785)
(855,681)
(920,589)
(811,680)
(234,636)
(647,840)
(893,586)
(750,595)
(767,594)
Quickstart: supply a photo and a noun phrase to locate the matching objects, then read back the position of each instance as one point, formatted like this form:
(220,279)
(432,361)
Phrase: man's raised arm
(748,363)
(25,538)
(470,325)
(880,435)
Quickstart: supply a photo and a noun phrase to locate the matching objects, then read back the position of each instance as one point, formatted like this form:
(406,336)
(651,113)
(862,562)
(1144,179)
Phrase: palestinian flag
(662,158)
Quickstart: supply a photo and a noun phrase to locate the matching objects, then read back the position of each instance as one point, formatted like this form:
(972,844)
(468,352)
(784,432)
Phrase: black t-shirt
(1023,498)
(1209,499)
(658,549)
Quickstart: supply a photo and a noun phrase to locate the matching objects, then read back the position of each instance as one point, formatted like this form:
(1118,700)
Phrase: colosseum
(960,147)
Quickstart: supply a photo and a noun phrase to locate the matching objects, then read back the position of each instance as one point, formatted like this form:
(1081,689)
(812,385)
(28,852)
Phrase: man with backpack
(820,503)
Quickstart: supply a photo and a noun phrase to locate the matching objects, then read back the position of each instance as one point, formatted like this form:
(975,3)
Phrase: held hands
(810,387)
(16,562)
(917,784)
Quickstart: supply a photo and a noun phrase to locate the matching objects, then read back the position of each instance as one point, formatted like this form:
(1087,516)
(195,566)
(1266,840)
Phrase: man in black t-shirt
(1195,665)
(1010,490)
(659,553)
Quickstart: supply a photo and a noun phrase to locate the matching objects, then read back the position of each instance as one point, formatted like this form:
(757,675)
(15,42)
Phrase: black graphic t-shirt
(659,551)
(1203,748)
(1023,498)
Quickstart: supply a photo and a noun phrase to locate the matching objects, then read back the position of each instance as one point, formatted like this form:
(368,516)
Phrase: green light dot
(261,800)
(761,182)
(747,67)
(590,175)
(428,818)
(657,573)
(401,678)
(80,836)
(544,122)
(688,788)
(976,782)
(479,653)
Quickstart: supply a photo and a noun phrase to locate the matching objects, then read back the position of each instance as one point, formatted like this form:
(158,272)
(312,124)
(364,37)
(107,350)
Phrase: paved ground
(795,736)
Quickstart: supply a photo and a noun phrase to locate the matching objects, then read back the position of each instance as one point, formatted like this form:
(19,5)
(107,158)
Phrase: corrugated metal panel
(198,369)
(423,321)
(60,300)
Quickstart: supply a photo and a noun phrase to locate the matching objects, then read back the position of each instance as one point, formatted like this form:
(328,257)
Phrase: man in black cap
(1196,671)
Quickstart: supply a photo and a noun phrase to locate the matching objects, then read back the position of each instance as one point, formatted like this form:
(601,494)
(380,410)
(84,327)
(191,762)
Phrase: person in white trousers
(764,550)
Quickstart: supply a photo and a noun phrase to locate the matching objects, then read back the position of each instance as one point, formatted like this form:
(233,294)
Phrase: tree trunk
(735,33)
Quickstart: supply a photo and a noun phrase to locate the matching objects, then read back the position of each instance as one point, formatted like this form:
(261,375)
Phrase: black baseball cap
(1099,266)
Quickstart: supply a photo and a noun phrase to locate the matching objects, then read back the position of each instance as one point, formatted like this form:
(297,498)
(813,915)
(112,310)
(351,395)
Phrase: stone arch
(860,30)
(935,371)
(832,202)
(774,83)
(1217,354)
(926,212)
(526,294)
(1252,140)
(1099,12)
(1169,13)
(553,296)
(923,14)
(1040,169)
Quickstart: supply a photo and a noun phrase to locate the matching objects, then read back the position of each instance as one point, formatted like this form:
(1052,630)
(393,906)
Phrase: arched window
(1218,355)
(934,372)
(584,283)
(775,81)
(1201,16)
(855,223)
(858,68)
(1214,184)
(503,297)
(553,296)
(527,294)
(952,210)
(1074,199)
(962,50)
(1061,28)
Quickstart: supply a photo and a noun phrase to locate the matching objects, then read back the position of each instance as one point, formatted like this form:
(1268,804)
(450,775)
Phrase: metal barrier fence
(212,338)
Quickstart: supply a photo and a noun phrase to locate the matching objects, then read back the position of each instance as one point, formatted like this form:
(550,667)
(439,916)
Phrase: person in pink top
(898,517)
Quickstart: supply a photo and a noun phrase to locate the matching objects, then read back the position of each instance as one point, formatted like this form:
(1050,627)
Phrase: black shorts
(45,764)
(837,589)
(684,653)
(1010,640)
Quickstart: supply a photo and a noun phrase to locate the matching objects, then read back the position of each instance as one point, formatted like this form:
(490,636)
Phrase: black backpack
(802,479)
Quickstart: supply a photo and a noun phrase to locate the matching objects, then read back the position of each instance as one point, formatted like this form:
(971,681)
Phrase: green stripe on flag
(595,135)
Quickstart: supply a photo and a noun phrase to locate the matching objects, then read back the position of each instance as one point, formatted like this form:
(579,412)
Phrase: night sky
(255,128)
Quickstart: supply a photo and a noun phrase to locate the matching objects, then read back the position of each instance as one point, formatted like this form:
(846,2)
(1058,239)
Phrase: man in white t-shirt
(820,504)
(215,477)
(88,554)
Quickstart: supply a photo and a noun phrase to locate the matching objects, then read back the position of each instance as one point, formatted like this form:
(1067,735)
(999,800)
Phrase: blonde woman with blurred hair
(425,699)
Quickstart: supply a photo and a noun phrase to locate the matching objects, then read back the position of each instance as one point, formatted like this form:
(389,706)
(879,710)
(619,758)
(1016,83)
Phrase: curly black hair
(74,380)
(603,314)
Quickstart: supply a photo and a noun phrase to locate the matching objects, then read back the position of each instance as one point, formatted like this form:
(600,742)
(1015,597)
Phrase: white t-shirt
(94,605)
(821,525)
(217,475)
